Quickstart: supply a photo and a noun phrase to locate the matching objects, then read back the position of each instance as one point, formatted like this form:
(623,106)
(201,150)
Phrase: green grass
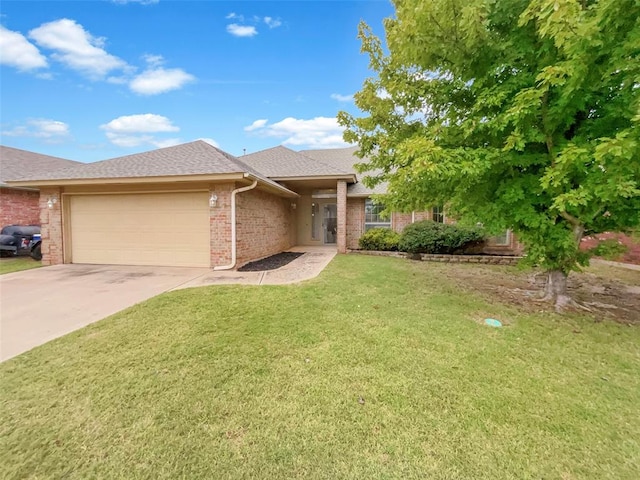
(264,382)
(17,264)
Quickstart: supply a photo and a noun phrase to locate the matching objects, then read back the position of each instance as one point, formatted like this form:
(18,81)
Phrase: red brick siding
(355,221)
(19,207)
(342,216)
(264,223)
(51,227)
(220,223)
(401,220)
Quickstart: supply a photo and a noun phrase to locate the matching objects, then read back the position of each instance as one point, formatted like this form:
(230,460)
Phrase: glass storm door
(330,222)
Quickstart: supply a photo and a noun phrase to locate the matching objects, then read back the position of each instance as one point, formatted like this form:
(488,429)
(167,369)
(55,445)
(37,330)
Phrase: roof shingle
(282,162)
(16,164)
(194,158)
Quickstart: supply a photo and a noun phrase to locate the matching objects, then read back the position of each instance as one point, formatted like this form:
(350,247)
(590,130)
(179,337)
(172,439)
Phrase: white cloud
(153,60)
(272,22)
(319,132)
(50,130)
(255,125)
(342,98)
(76,48)
(241,30)
(210,141)
(16,51)
(160,80)
(135,130)
(141,123)
(235,16)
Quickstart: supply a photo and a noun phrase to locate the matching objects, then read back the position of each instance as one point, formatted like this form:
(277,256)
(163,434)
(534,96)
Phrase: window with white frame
(373,217)
(437,214)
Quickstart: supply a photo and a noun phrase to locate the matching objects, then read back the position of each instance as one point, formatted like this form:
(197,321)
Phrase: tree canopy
(519,114)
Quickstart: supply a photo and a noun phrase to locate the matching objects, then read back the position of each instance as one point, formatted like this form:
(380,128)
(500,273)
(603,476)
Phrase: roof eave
(348,177)
(11,187)
(127,180)
(272,186)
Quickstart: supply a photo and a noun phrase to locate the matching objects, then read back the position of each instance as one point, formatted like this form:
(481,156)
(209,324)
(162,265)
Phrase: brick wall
(401,220)
(342,216)
(264,223)
(51,227)
(19,207)
(220,223)
(355,221)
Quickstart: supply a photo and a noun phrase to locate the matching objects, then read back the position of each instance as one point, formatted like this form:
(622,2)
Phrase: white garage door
(170,229)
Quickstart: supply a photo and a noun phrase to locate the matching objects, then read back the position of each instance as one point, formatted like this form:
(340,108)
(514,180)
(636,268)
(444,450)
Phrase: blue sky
(89,80)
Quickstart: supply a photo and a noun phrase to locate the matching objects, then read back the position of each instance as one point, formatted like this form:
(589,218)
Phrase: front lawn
(380,368)
(16,264)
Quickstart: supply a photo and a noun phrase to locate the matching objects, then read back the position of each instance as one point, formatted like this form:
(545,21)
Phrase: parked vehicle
(21,240)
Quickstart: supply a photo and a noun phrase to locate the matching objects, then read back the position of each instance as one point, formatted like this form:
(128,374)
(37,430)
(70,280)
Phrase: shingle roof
(16,163)
(282,162)
(195,158)
(341,158)
(345,159)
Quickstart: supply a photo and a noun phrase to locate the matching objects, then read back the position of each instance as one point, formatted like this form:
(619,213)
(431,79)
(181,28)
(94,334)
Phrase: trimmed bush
(383,239)
(439,238)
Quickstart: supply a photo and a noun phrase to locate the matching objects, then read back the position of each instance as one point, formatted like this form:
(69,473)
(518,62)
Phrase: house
(195,205)
(20,205)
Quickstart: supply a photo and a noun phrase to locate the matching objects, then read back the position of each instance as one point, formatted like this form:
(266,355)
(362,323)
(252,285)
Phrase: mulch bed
(631,256)
(270,263)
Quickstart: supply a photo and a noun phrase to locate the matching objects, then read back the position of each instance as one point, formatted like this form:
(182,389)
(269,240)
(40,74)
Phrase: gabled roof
(345,159)
(188,159)
(340,158)
(281,162)
(16,163)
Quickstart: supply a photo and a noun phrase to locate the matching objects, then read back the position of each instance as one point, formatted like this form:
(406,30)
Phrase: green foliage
(609,249)
(383,239)
(431,237)
(519,114)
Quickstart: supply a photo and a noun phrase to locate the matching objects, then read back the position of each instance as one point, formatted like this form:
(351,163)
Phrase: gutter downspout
(233,226)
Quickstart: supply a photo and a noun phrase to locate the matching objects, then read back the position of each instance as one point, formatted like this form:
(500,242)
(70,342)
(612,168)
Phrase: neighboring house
(20,205)
(195,205)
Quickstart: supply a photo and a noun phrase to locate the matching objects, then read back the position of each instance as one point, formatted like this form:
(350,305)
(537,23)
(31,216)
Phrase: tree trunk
(556,289)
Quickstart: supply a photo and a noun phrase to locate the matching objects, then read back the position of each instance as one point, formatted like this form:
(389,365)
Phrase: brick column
(342,216)
(220,224)
(51,227)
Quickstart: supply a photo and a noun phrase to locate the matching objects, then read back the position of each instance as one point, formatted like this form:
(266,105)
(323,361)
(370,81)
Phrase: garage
(163,229)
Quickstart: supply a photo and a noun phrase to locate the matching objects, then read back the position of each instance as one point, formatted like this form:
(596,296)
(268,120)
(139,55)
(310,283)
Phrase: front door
(330,222)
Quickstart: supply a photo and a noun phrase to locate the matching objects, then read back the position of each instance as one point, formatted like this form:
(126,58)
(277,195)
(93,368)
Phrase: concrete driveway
(45,303)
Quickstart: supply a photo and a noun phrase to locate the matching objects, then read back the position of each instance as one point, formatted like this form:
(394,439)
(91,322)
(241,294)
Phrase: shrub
(609,249)
(431,237)
(379,239)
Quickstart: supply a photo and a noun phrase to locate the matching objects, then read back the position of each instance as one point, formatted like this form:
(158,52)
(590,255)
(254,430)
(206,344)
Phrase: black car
(21,240)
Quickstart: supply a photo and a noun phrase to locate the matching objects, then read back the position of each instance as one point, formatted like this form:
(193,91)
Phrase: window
(502,240)
(315,222)
(373,217)
(437,214)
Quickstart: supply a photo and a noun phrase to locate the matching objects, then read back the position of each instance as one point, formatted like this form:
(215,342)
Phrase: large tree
(519,114)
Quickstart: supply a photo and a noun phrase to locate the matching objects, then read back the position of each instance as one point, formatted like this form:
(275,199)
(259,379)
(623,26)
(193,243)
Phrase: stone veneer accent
(51,227)
(19,207)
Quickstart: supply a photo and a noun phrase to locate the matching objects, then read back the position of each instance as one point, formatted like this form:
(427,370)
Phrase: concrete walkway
(39,305)
(305,267)
(628,266)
